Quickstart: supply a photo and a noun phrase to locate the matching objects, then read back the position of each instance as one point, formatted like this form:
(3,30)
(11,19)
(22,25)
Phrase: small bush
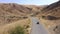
(43,16)
(25,17)
(51,17)
(27,26)
(17,30)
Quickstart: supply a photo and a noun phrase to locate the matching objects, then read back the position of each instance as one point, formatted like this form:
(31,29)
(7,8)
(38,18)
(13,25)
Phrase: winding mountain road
(37,28)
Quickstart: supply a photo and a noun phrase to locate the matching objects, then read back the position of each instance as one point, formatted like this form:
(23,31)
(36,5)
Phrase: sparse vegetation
(24,17)
(17,30)
(49,17)
(13,28)
(43,16)
(52,14)
(12,14)
(15,12)
(27,26)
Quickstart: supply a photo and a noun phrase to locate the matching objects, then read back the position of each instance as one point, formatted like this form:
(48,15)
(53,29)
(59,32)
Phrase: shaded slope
(51,17)
(53,9)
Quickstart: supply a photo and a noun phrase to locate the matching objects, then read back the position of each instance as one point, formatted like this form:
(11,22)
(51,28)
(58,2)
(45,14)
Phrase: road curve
(37,28)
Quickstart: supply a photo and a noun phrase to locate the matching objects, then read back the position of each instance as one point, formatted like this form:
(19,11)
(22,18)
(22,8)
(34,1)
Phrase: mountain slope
(10,12)
(53,9)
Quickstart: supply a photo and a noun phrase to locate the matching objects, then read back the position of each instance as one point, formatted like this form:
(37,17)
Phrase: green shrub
(51,17)
(27,26)
(43,16)
(17,30)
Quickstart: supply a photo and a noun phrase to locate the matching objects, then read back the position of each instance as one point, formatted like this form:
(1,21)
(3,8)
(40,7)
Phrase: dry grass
(52,24)
(4,29)
(12,14)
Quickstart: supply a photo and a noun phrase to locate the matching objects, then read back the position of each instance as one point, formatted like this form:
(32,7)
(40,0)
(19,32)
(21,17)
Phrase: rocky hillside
(51,17)
(53,9)
(10,12)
